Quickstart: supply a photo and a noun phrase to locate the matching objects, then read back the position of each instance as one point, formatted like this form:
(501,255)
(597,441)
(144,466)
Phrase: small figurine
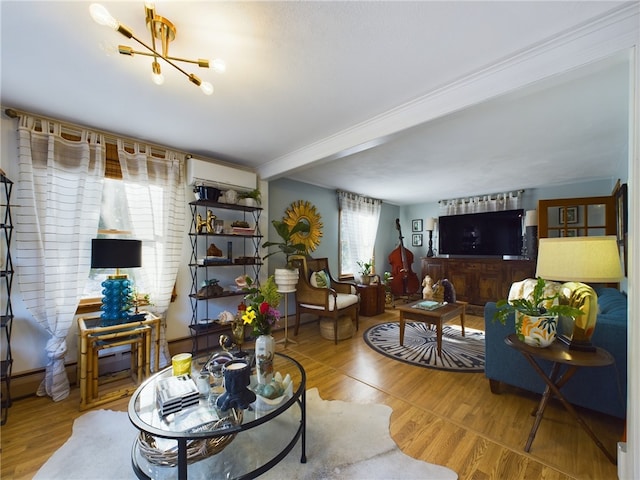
(207,224)
(213,251)
(427,291)
(448,292)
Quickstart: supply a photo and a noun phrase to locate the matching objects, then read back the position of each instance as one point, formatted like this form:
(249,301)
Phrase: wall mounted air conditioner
(201,172)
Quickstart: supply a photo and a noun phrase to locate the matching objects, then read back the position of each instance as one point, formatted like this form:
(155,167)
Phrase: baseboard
(26,384)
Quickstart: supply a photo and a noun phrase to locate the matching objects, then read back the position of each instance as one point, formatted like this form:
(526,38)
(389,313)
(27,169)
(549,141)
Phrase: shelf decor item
(237,378)
(115,253)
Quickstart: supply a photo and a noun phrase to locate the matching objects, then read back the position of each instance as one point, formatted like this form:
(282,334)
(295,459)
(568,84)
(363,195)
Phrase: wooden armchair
(332,301)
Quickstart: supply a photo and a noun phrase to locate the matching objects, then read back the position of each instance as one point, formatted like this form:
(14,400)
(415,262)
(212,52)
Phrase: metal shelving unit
(246,261)
(6,310)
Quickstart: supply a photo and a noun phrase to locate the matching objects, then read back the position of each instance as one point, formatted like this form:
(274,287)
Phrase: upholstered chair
(319,294)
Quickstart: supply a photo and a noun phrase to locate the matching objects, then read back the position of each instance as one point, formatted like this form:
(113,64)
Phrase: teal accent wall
(283,192)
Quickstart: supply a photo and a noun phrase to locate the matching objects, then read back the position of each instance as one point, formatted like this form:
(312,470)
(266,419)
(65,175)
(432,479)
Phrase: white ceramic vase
(286,279)
(536,331)
(265,350)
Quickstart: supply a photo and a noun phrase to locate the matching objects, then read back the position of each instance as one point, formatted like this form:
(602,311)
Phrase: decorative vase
(237,378)
(286,279)
(265,349)
(537,331)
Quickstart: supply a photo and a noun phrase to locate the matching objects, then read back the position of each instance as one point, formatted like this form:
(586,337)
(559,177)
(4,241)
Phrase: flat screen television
(481,234)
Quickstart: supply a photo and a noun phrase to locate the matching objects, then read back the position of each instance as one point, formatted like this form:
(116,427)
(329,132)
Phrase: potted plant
(365,271)
(250,198)
(388,295)
(287,278)
(536,316)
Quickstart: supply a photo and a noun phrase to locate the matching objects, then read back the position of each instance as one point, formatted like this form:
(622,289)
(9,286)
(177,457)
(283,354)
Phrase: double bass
(405,281)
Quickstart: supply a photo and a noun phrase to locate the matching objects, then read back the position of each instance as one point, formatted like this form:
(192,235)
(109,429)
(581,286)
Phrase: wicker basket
(196,449)
(345,328)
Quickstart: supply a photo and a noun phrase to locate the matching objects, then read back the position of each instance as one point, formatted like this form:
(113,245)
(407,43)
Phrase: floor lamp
(574,260)
(115,253)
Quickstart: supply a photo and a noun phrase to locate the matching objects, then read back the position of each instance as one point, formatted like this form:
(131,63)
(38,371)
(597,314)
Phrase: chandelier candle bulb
(164,32)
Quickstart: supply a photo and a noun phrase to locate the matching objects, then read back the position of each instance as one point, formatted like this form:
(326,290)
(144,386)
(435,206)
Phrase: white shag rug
(344,441)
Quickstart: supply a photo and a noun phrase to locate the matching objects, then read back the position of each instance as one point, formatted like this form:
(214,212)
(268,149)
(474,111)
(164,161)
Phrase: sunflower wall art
(305,211)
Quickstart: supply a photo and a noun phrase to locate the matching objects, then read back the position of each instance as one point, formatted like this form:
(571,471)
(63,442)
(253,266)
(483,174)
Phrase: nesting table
(92,338)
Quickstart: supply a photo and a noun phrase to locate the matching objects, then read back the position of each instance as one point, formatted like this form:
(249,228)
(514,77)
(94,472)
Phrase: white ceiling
(461,98)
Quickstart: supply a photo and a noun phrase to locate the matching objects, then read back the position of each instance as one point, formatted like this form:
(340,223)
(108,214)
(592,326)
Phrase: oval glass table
(254,441)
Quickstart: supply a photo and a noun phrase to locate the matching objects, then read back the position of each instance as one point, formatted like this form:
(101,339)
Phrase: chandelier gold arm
(162,29)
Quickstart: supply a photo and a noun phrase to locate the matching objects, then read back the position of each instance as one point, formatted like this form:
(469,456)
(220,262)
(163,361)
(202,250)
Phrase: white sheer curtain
(155,196)
(359,217)
(58,209)
(485,203)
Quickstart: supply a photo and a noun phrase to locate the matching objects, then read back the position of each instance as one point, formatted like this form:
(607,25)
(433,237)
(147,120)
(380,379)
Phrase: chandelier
(162,31)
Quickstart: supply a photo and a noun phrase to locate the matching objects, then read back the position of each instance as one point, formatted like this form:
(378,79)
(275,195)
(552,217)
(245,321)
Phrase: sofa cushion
(611,302)
(342,300)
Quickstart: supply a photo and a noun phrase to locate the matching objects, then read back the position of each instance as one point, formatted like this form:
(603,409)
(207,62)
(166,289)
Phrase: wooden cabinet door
(577,217)
(434,267)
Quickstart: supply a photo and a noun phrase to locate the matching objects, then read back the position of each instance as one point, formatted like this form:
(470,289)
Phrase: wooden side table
(438,317)
(559,354)
(372,299)
(92,337)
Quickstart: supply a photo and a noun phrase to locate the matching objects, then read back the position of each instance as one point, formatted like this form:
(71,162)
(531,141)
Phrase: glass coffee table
(203,442)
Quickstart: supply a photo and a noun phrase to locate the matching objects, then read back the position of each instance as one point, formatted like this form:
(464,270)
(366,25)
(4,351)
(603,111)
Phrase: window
(114,223)
(359,218)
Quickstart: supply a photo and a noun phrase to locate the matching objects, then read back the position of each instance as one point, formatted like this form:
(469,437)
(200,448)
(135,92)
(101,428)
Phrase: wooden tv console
(478,280)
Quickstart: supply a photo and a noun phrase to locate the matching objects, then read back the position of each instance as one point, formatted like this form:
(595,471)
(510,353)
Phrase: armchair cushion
(342,300)
(320,279)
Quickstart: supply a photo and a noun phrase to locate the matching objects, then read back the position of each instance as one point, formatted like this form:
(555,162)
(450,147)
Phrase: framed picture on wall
(572,215)
(416,225)
(416,239)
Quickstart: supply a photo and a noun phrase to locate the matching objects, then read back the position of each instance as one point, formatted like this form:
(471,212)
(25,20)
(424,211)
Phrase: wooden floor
(451,419)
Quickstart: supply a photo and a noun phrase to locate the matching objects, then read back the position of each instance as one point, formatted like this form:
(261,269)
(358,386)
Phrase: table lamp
(574,260)
(115,253)
(530,234)
(430,226)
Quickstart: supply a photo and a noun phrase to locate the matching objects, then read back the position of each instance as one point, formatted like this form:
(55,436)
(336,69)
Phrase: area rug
(344,441)
(459,354)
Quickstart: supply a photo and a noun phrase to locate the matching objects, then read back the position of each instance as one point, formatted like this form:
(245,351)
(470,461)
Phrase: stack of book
(175,393)
(429,305)
(242,230)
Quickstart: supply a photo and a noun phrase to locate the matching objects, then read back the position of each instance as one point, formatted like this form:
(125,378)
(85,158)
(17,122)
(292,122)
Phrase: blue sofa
(603,389)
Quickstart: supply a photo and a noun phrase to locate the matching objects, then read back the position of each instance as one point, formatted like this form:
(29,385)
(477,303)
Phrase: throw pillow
(320,279)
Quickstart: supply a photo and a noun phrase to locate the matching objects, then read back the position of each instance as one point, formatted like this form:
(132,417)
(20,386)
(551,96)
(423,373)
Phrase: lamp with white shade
(574,260)
(430,226)
(530,234)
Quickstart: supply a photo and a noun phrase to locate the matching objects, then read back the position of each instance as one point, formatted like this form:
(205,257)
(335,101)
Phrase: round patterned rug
(459,354)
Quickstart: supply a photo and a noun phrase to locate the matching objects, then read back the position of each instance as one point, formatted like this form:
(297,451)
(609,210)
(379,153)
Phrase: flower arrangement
(262,302)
